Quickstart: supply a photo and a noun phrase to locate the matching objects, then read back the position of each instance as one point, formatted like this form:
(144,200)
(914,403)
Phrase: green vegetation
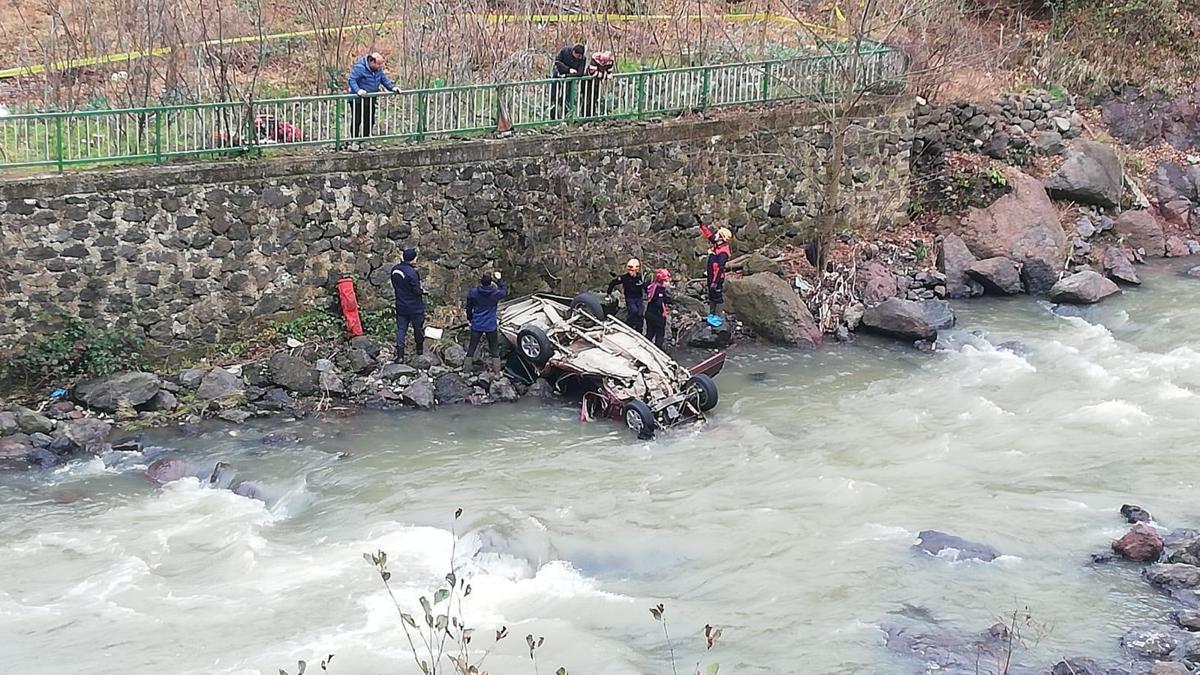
(77,349)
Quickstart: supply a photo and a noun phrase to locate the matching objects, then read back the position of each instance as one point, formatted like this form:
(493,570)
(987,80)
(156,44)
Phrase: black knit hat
(485,280)
(410,254)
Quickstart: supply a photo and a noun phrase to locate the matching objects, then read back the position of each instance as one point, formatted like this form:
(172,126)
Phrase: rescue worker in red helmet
(714,269)
(658,296)
(633,283)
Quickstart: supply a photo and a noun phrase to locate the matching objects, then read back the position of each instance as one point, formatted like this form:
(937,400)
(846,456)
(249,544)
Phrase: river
(787,520)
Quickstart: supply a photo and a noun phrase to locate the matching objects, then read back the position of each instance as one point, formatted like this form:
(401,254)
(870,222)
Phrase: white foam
(1113,414)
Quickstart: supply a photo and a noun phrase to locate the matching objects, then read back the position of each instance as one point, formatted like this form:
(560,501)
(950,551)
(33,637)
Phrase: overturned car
(619,372)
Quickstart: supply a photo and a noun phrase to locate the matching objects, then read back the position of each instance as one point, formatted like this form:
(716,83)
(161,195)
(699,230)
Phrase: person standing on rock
(658,296)
(634,286)
(410,303)
(366,78)
(482,303)
(714,272)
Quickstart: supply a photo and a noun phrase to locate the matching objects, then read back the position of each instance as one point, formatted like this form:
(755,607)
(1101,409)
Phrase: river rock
(420,393)
(773,310)
(1085,666)
(902,319)
(1170,667)
(163,401)
(1135,514)
(998,275)
(1139,229)
(1047,143)
(1119,265)
(276,399)
(1182,546)
(15,451)
(1180,581)
(32,422)
(454,356)
(164,470)
(541,390)
(331,383)
(108,392)
(389,372)
(1091,174)
(190,378)
(953,548)
(1176,191)
(8,423)
(875,282)
(1037,277)
(355,360)
(1021,226)
(1083,288)
(704,336)
(1189,619)
(368,344)
(1176,247)
(502,390)
(89,433)
(218,384)
(292,373)
(938,313)
(1143,543)
(1150,643)
(451,388)
(953,260)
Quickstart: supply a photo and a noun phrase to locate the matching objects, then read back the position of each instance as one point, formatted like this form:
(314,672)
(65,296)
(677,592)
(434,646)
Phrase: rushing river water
(787,520)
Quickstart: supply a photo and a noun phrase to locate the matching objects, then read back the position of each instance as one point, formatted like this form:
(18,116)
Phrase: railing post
(58,141)
(765,85)
(248,140)
(158,131)
(572,98)
(704,83)
(641,94)
(421,114)
(339,113)
(499,89)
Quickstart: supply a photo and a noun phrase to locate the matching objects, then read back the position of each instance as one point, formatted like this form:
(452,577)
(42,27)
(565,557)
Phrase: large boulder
(1143,543)
(875,282)
(109,392)
(953,260)
(773,309)
(1091,174)
(1021,226)
(292,373)
(89,433)
(1179,580)
(219,384)
(1176,247)
(938,313)
(420,393)
(451,388)
(902,319)
(1083,288)
(1139,229)
(1038,277)
(1118,264)
(1150,643)
(32,422)
(999,276)
(953,548)
(1176,190)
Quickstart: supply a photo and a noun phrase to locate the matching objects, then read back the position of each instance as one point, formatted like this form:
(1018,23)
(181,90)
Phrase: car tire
(706,388)
(639,418)
(533,346)
(589,304)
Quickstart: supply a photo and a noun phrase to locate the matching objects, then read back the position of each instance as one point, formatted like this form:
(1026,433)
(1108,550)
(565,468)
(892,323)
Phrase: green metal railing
(159,134)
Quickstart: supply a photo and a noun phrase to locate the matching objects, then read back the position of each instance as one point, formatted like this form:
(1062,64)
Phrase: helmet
(724,234)
(662,276)
(633,265)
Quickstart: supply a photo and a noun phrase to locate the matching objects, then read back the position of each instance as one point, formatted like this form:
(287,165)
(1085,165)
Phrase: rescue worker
(569,63)
(658,296)
(481,305)
(599,68)
(714,269)
(634,286)
(410,303)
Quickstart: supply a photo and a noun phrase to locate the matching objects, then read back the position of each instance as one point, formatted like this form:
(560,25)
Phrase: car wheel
(533,346)
(639,418)
(705,388)
(589,304)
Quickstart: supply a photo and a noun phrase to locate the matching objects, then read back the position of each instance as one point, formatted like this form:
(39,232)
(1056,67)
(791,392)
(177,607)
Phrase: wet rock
(773,310)
(1182,546)
(1139,229)
(502,390)
(190,378)
(1119,265)
(999,276)
(938,313)
(277,399)
(902,319)
(127,444)
(1176,247)
(420,393)
(394,371)
(331,383)
(1021,226)
(1084,666)
(454,356)
(108,392)
(1194,272)
(1141,544)
(1188,619)
(1178,580)
(279,439)
(701,335)
(451,388)
(219,384)
(32,422)
(1135,514)
(1037,277)
(875,282)
(15,451)
(292,373)
(953,548)
(1091,174)
(235,416)
(953,260)
(541,390)
(8,423)
(167,469)
(1083,288)
(89,434)
(946,651)
(1168,668)
(1149,643)
(163,401)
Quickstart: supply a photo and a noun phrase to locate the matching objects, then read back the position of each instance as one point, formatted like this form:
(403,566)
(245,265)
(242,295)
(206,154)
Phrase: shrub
(77,349)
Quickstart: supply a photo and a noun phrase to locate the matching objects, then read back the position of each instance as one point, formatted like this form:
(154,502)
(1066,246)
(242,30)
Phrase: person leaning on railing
(367,77)
(599,68)
(568,63)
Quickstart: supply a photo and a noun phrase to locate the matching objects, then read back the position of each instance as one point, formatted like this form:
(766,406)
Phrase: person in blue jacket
(410,303)
(367,77)
(482,302)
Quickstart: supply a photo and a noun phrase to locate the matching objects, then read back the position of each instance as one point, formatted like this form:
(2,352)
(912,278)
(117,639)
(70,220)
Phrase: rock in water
(1085,666)
(1038,277)
(292,373)
(1141,544)
(108,392)
(1188,619)
(1135,514)
(1180,581)
(218,384)
(938,313)
(999,276)
(953,548)
(1139,229)
(1021,226)
(420,393)
(89,433)
(1091,174)
(1182,546)
(1194,272)
(1119,265)
(451,388)
(1176,247)
(953,260)
(902,319)
(773,309)
(1083,288)
(502,390)
(1149,643)
(703,335)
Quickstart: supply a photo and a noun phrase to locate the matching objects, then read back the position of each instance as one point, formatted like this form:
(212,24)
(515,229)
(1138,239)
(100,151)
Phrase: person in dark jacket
(410,303)
(714,269)
(634,286)
(658,296)
(568,64)
(367,77)
(482,302)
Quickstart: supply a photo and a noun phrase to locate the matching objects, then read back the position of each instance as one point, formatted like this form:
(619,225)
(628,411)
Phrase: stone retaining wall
(194,254)
(1011,128)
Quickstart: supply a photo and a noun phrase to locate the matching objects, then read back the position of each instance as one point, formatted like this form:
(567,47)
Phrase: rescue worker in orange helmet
(633,283)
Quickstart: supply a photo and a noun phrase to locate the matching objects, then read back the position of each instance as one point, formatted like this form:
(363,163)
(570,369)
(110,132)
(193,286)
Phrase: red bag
(349,304)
